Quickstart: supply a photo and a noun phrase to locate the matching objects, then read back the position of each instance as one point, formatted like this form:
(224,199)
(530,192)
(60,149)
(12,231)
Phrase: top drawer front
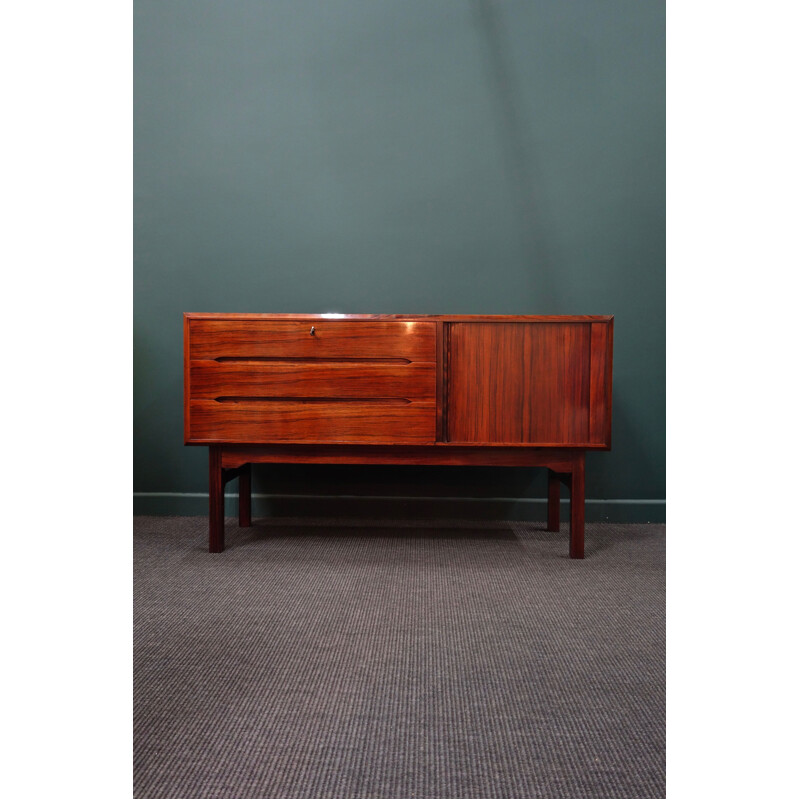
(333,339)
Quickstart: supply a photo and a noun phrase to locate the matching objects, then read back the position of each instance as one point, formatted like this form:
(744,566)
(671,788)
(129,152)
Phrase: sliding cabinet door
(535,383)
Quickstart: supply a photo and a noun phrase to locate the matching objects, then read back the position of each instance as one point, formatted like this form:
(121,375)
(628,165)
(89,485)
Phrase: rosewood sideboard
(393,389)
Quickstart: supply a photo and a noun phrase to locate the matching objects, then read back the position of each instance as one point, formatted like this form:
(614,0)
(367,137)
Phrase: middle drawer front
(261,382)
(341,380)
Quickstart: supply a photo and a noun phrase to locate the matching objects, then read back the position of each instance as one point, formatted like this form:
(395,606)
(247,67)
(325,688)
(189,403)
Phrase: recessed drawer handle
(313,330)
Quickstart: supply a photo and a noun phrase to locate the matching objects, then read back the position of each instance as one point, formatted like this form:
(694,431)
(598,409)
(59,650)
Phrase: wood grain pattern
(600,385)
(295,421)
(243,338)
(216,501)
(211,379)
(406,317)
(577,493)
(441,360)
(187,386)
(559,460)
(388,389)
(519,383)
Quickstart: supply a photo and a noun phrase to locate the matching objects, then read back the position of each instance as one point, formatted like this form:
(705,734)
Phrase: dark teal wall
(400,156)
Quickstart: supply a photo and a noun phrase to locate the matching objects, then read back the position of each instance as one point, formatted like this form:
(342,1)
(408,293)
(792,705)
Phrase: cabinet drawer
(344,380)
(314,421)
(261,381)
(232,339)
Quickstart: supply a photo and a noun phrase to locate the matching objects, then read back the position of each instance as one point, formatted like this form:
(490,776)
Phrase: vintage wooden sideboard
(393,389)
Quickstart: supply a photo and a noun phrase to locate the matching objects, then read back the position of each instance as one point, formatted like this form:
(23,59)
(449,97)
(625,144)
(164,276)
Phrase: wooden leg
(244,497)
(216,501)
(576,506)
(553,501)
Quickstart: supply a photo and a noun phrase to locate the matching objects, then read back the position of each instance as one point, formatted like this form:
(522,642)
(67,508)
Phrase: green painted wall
(400,156)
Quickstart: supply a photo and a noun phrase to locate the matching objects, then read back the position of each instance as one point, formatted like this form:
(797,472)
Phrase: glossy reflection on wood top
(403,317)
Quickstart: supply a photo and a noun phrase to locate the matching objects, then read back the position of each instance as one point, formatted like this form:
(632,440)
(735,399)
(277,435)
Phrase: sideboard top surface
(430,317)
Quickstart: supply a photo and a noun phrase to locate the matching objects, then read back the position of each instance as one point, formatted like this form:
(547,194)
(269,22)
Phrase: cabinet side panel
(441,360)
(600,384)
(519,383)
(186,378)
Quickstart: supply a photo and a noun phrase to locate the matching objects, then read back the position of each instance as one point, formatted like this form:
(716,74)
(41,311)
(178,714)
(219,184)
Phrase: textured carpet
(350,659)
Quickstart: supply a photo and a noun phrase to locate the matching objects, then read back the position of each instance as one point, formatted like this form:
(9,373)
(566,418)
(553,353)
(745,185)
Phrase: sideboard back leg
(216,501)
(577,506)
(244,497)
(553,501)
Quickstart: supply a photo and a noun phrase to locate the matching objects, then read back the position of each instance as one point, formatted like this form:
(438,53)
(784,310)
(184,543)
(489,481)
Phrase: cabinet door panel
(519,383)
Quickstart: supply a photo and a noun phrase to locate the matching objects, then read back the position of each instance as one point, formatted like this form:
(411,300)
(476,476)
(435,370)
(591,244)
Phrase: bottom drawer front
(365,422)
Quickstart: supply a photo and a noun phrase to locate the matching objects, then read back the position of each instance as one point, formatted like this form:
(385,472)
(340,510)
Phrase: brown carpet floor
(335,658)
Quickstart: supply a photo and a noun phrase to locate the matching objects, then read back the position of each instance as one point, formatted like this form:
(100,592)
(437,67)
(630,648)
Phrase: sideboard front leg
(553,501)
(577,506)
(244,497)
(216,501)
